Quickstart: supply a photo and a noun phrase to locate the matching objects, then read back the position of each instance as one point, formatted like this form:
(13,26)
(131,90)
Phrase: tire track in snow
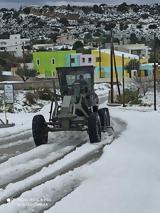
(21,142)
(38,179)
(75,159)
(10,147)
(37,158)
(15,136)
(121,126)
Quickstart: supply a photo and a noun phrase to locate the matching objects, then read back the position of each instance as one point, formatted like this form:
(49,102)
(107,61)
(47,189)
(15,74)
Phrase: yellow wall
(105,61)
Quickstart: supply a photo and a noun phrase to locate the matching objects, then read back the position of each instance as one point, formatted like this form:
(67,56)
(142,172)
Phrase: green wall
(46,65)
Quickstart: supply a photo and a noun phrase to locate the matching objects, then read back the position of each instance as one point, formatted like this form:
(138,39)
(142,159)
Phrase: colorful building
(137,49)
(147,70)
(46,62)
(104,66)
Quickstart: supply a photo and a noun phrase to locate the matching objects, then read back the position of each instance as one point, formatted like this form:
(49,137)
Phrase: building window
(3,43)
(53,61)
(38,62)
(89,60)
(83,60)
(72,60)
(2,48)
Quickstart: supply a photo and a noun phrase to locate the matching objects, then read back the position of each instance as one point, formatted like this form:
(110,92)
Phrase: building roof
(119,53)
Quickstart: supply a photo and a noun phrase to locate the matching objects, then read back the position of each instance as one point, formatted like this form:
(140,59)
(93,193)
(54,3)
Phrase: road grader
(75,109)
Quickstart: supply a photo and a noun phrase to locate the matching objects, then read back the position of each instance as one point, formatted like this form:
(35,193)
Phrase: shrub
(10,108)
(131,97)
(25,74)
(30,98)
(44,94)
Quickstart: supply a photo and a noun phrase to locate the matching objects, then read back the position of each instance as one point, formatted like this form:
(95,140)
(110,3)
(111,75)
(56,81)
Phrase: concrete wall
(31,84)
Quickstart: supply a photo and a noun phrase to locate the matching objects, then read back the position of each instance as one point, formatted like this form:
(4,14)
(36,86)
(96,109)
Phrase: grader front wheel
(94,128)
(39,130)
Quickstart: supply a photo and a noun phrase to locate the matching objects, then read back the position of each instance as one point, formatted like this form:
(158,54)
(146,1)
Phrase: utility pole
(111,67)
(123,79)
(70,58)
(154,72)
(115,68)
(24,64)
(100,65)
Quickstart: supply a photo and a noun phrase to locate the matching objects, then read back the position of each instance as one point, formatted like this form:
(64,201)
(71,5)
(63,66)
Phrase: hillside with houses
(44,38)
(129,22)
(79,108)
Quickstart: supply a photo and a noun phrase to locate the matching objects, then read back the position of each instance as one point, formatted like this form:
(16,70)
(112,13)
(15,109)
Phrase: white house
(65,39)
(15,45)
(138,49)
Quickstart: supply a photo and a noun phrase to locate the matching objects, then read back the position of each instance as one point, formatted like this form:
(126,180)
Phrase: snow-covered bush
(132,97)
(44,94)
(30,99)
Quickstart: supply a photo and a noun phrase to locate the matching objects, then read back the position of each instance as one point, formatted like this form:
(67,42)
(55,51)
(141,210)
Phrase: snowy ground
(125,179)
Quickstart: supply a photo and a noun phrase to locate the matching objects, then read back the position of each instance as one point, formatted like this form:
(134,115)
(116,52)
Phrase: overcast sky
(18,3)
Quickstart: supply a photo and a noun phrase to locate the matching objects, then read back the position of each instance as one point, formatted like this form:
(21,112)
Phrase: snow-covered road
(34,160)
(71,175)
(14,145)
(124,179)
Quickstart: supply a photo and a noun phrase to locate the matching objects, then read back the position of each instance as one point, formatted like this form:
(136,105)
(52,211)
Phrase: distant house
(103,63)
(147,69)
(37,47)
(46,62)
(15,45)
(65,39)
(50,47)
(137,49)
(7,73)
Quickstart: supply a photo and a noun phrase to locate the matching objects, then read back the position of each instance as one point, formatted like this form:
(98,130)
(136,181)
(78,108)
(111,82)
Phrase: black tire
(104,118)
(39,130)
(94,128)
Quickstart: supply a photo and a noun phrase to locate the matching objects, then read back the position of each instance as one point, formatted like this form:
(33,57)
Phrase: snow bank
(127,177)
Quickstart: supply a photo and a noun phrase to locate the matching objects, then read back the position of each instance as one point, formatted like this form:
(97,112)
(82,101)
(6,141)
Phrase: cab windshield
(73,78)
(79,78)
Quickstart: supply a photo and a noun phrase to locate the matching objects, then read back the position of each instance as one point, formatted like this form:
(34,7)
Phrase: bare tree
(25,74)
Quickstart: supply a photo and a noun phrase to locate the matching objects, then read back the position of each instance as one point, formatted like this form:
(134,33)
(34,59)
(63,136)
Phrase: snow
(125,179)
(8,73)
(22,120)
(102,89)
(51,171)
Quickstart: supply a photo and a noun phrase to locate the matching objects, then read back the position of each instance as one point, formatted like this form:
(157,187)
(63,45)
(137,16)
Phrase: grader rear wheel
(104,118)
